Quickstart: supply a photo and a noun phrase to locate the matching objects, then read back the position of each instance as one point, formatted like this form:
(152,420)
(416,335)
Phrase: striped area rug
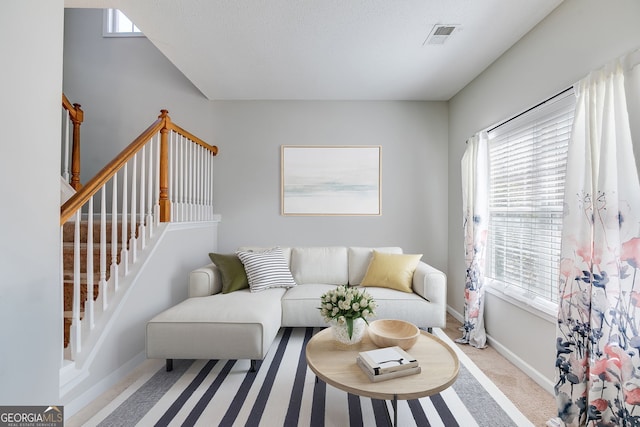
(284,392)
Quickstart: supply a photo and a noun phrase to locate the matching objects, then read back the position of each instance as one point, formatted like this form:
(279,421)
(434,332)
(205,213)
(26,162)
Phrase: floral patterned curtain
(475,205)
(598,331)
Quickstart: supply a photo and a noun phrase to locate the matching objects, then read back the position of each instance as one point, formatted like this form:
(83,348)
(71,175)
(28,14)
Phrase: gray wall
(413,137)
(126,82)
(30,291)
(122,84)
(579,36)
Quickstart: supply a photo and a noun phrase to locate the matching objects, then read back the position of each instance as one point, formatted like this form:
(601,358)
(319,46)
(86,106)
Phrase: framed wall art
(330,180)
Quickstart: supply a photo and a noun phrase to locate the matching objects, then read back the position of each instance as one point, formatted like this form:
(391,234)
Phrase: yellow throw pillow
(393,271)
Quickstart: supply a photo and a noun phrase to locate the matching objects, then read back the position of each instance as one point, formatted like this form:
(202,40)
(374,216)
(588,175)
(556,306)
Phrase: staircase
(68,250)
(164,175)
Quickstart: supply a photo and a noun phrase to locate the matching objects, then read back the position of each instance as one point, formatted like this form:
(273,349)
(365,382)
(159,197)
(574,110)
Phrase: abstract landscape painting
(330,180)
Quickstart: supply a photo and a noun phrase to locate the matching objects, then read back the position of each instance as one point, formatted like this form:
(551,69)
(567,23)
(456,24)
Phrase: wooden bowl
(392,332)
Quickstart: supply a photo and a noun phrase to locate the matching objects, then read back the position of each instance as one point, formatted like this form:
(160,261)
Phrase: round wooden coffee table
(335,364)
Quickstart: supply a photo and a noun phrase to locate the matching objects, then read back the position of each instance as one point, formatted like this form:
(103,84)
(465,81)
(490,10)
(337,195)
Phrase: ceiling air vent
(440,34)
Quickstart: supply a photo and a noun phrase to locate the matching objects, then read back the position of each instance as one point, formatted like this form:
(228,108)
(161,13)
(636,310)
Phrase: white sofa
(243,324)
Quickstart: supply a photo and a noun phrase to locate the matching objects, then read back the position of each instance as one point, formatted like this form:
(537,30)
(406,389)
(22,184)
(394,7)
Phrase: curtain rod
(529,109)
(633,58)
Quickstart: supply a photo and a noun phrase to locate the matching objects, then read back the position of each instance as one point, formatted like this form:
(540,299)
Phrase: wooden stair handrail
(179,130)
(77,117)
(163,124)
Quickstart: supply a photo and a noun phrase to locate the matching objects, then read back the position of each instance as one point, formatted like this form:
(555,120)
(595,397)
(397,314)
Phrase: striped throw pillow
(266,269)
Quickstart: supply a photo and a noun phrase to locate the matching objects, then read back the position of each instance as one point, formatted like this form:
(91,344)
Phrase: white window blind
(528,157)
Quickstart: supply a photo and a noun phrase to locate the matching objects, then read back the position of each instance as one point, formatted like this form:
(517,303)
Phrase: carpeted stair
(68,259)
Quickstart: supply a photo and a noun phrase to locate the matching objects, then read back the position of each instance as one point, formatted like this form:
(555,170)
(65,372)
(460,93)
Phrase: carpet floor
(535,402)
(284,392)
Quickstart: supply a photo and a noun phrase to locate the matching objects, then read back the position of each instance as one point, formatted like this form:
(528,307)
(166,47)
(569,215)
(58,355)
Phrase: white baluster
(88,305)
(187,179)
(103,248)
(184,176)
(211,189)
(191,172)
(200,182)
(156,186)
(195,172)
(181,178)
(114,232)
(134,201)
(172,176)
(196,182)
(124,253)
(75,333)
(210,186)
(207,176)
(177,178)
(194,185)
(205,157)
(205,184)
(149,219)
(142,232)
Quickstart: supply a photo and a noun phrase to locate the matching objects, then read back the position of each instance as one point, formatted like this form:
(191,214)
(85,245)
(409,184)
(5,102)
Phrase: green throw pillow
(232,272)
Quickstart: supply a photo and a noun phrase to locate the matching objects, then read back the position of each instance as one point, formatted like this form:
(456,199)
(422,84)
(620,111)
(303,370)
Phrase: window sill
(122,35)
(535,305)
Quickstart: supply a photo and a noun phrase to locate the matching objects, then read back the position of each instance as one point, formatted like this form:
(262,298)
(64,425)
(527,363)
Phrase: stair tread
(68,249)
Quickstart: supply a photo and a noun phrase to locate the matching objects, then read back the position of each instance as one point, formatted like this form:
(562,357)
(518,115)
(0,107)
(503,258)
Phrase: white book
(389,375)
(387,359)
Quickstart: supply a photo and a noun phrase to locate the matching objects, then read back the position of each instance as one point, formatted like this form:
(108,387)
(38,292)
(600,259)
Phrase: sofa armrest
(431,284)
(205,281)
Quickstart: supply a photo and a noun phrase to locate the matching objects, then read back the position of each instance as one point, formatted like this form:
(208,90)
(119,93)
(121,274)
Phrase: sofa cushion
(232,272)
(393,271)
(409,307)
(221,326)
(300,305)
(359,259)
(327,265)
(266,269)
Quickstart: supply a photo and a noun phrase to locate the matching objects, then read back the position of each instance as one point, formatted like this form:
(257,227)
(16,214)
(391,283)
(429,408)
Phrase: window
(528,157)
(116,24)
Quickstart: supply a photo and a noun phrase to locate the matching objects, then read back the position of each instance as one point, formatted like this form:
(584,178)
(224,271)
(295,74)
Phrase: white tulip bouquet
(346,303)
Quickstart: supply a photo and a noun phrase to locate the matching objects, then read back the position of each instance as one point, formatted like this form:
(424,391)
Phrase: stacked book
(386,363)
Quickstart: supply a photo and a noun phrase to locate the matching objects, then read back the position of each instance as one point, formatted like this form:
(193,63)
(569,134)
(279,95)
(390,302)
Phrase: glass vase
(341,331)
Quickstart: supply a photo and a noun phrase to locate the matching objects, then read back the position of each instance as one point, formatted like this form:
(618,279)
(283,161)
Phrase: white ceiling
(330,49)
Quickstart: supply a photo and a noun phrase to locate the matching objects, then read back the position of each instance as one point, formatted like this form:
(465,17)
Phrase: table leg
(394,403)
(394,406)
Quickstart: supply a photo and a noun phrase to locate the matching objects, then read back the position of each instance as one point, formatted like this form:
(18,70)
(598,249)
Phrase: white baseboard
(532,373)
(457,315)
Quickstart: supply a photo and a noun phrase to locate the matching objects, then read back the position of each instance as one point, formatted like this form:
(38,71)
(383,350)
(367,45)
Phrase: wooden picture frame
(331,180)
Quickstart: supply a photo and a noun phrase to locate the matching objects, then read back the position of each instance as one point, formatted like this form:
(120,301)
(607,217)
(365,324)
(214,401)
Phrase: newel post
(77,118)
(165,204)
